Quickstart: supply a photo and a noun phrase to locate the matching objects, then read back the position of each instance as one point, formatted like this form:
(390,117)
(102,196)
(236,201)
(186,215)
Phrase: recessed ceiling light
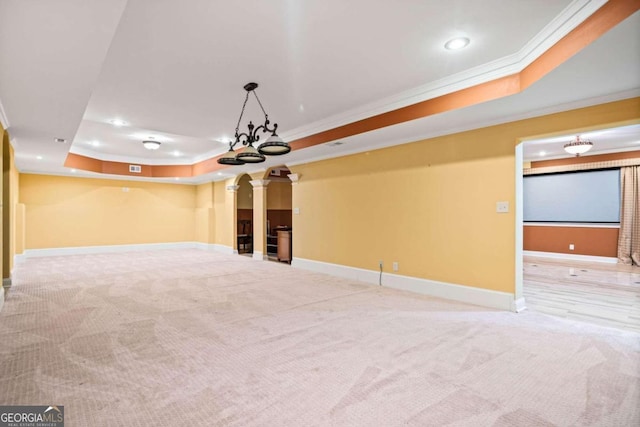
(457,43)
(95,143)
(543,153)
(118,122)
(73,171)
(177,179)
(39,157)
(176,153)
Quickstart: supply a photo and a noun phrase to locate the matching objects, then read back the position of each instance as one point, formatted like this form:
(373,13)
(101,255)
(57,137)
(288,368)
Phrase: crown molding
(94,175)
(178,161)
(422,135)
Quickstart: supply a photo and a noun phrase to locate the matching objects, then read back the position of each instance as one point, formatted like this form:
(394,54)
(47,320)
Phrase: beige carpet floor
(190,338)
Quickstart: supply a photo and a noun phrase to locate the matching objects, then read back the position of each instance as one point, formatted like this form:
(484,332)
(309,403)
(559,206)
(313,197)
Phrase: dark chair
(245,236)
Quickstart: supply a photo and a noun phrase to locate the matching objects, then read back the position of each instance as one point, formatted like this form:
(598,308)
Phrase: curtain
(629,238)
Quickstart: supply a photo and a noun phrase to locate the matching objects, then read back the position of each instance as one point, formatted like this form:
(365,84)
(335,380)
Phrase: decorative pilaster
(259,183)
(294,177)
(229,235)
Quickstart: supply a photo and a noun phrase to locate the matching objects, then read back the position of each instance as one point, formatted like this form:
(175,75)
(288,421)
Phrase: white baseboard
(518,305)
(259,256)
(571,257)
(214,247)
(224,249)
(467,294)
(82,250)
(19,258)
(1,297)
(203,246)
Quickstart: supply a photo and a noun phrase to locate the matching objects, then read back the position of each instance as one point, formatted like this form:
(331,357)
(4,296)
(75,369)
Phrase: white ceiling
(174,70)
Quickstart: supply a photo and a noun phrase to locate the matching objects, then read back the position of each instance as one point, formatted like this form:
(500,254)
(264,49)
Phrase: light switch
(296,211)
(502,207)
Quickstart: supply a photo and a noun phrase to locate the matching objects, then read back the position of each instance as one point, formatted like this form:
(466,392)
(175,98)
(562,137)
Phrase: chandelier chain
(246,98)
(260,103)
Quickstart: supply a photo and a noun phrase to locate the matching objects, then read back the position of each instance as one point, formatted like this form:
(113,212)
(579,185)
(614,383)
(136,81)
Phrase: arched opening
(244,216)
(279,226)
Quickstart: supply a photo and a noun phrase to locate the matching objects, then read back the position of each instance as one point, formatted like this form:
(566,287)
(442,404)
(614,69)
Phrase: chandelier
(151,145)
(273,146)
(577,147)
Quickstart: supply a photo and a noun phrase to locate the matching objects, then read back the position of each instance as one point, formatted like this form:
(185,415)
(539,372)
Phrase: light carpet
(194,338)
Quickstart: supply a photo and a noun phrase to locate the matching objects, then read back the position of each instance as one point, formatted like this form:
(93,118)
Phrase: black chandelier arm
(234,142)
(240,136)
(245,138)
(265,127)
(275,127)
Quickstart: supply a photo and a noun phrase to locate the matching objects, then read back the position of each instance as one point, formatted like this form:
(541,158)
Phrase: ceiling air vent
(135,168)
(335,144)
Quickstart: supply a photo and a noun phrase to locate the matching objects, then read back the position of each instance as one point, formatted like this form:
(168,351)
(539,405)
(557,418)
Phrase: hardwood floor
(605,294)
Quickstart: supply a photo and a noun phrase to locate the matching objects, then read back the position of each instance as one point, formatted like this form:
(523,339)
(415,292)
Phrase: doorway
(279,228)
(244,216)
(567,266)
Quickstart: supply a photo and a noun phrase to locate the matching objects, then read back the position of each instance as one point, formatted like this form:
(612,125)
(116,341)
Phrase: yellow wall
(205,219)
(7,221)
(12,212)
(17,212)
(279,195)
(68,212)
(429,205)
(4,136)
(12,230)
(225,213)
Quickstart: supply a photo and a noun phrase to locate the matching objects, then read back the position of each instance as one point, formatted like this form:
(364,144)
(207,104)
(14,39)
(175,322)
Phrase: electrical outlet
(502,207)
(395,266)
(571,247)
(380,264)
